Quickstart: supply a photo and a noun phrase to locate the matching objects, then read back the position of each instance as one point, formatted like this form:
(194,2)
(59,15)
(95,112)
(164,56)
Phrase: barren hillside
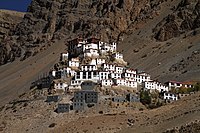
(32,114)
(174,59)
(169,117)
(48,20)
(16,77)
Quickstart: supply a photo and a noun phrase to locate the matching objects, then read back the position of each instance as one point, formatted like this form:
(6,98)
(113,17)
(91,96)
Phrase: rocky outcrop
(169,29)
(49,20)
(186,17)
(193,127)
(9,50)
(8,21)
(184,63)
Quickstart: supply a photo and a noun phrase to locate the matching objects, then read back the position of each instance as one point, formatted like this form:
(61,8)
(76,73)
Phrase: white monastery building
(74,63)
(117,56)
(60,85)
(116,75)
(142,77)
(91,53)
(130,71)
(124,82)
(104,75)
(97,61)
(91,60)
(108,67)
(76,82)
(106,48)
(153,85)
(175,84)
(170,96)
(90,46)
(88,68)
(106,82)
(87,76)
(64,56)
(119,69)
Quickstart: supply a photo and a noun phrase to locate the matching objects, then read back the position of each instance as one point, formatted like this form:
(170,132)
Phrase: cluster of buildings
(80,101)
(99,62)
(85,99)
(175,84)
(90,62)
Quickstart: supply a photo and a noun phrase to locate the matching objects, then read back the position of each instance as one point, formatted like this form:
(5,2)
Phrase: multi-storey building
(82,98)
(175,84)
(153,85)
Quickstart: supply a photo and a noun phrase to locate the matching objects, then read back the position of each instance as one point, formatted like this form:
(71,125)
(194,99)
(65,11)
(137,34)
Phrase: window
(89,76)
(95,73)
(78,76)
(84,75)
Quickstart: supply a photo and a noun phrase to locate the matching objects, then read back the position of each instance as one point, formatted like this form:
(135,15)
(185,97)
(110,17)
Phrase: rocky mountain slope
(186,17)
(8,21)
(145,29)
(177,58)
(48,20)
(16,77)
(171,53)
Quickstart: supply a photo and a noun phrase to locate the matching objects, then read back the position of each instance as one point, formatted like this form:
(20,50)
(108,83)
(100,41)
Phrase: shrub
(52,125)
(141,109)
(174,90)
(197,87)
(183,90)
(145,97)
(100,112)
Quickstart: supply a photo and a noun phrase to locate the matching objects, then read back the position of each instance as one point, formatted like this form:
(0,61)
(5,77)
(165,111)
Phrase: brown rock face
(49,20)
(8,22)
(9,50)
(185,17)
(168,30)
